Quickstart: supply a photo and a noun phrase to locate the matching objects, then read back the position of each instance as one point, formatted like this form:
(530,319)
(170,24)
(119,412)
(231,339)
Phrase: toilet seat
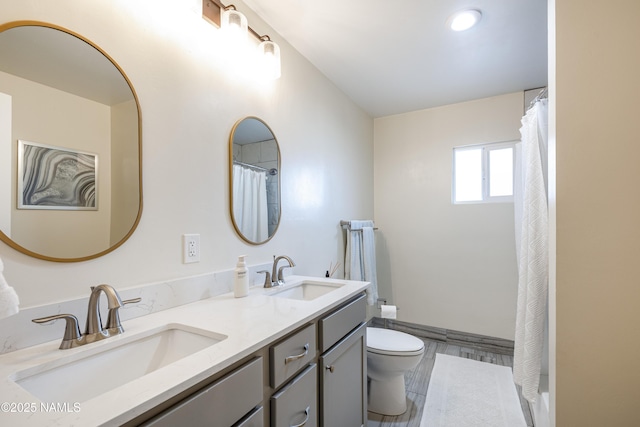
(393,343)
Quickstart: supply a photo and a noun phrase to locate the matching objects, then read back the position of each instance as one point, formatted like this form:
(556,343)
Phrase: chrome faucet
(279,280)
(94,321)
(94,330)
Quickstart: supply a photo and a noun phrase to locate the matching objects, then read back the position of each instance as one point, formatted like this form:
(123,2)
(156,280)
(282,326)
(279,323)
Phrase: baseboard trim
(464,339)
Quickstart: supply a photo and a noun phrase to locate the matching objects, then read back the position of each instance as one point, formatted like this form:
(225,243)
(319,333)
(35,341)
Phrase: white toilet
(389,355)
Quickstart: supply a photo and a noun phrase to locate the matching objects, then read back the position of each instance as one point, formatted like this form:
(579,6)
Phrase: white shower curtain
(531,218)
(250,203)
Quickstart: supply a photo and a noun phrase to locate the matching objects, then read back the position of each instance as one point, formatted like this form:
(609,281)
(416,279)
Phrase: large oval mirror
(254,164)
(70,145)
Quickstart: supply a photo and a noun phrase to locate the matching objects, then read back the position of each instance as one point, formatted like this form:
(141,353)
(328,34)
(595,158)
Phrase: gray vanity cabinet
(314,376)
(337,386)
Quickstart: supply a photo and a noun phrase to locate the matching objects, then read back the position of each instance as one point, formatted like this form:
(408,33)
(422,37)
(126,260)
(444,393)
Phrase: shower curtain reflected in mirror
(532,225)
(250,203)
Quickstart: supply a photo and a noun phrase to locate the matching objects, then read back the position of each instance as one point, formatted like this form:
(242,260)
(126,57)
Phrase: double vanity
(283,356)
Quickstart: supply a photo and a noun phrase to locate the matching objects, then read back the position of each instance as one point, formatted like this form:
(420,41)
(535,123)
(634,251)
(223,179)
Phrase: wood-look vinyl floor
(417,382)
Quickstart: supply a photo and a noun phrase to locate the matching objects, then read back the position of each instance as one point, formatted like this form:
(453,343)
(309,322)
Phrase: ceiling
(392,57)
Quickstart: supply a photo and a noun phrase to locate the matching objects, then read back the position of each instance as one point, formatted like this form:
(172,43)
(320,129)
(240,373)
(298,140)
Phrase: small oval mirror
(254,166)
(70,145)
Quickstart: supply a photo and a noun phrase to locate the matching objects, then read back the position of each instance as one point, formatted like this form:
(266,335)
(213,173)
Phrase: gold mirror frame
(8,240)
(272,170)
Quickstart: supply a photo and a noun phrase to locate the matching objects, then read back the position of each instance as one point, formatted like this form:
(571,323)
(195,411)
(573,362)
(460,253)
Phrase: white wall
(450,266)
(190,99)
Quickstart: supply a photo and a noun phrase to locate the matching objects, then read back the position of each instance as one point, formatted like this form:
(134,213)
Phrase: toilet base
(387,397)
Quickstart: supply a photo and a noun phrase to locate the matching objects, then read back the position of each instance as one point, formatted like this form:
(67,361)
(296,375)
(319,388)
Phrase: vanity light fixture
(228,18)
(464,19)
(269,54)
(234,22)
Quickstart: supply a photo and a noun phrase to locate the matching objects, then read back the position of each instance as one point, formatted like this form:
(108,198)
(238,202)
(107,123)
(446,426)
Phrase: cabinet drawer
(220,404)
(342,321)
(291,355)
(255,419)
(297,403)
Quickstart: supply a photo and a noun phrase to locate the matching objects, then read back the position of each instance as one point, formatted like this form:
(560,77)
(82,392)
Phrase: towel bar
(348,225)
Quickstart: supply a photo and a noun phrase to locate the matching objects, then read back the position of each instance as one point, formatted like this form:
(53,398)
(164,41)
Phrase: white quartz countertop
(249,324)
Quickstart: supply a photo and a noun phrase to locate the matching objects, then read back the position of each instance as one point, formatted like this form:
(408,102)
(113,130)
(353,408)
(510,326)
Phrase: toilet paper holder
(383,301)
(379,303)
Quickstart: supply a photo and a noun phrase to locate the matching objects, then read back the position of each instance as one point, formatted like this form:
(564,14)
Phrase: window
(483,173)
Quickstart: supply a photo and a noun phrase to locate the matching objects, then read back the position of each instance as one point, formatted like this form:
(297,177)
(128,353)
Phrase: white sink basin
(79,378)
(307,291)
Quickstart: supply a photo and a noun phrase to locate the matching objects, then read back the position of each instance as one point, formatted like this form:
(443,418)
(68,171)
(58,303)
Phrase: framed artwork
(56,178)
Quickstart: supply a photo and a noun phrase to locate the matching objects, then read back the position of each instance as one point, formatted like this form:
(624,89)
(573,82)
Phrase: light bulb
(269,53)
(464,20)
(234,23)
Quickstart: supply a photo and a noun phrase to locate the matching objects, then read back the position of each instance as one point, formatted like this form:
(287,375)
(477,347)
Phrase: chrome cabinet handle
(330,368)
(306,418)
(297,356)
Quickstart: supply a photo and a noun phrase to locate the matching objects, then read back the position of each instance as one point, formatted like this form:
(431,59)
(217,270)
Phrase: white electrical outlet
(190,248)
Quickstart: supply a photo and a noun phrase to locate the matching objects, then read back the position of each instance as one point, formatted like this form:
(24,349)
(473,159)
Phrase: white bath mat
(468,393)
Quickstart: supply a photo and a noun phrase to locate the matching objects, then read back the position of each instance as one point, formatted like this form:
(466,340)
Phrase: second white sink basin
(307,290)
(76,379)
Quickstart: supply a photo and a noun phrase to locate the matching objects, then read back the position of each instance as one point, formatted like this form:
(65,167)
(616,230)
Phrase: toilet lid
(387,341)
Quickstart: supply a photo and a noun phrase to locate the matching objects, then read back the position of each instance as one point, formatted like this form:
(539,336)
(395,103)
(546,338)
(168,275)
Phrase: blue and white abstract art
(56,178)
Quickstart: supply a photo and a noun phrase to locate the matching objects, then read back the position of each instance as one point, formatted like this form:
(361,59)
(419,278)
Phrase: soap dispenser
(241,282)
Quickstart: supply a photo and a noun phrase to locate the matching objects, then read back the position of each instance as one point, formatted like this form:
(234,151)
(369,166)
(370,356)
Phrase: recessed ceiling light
(464,19)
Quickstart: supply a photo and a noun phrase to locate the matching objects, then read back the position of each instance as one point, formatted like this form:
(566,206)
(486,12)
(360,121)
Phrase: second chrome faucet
(275,278)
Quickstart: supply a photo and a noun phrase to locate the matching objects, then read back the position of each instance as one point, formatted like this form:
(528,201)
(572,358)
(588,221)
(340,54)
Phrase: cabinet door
(343,382)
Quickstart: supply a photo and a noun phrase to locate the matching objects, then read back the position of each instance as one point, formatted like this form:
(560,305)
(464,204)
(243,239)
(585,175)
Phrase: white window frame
(486,149)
